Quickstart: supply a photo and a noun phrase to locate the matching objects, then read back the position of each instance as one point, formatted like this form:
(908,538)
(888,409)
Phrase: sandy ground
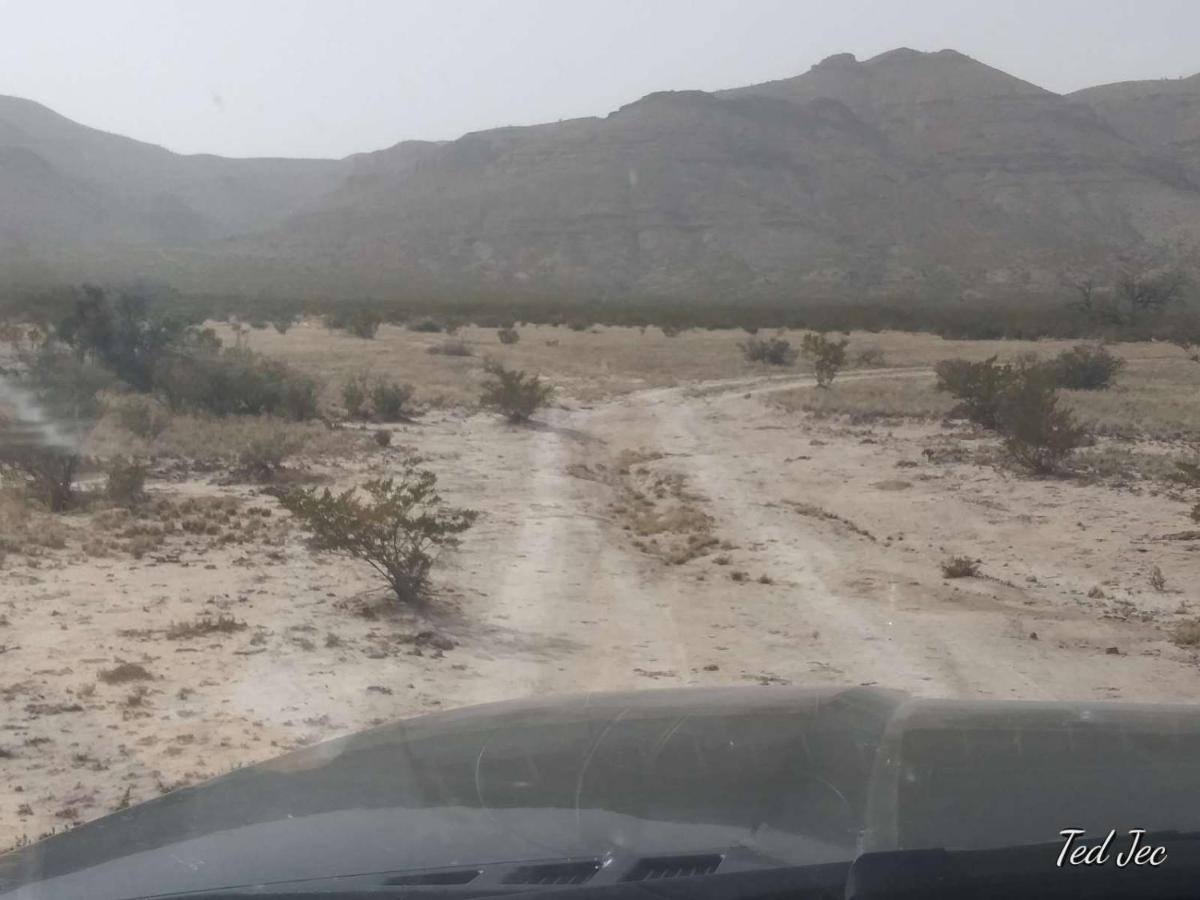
(669,536)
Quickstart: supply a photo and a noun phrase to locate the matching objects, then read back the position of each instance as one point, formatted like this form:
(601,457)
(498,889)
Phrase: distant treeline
(1016,318)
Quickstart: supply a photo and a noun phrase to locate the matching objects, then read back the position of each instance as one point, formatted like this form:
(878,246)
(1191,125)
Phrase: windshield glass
(366,361)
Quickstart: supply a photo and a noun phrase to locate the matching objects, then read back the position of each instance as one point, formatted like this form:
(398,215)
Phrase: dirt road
(851,550)
(681,536)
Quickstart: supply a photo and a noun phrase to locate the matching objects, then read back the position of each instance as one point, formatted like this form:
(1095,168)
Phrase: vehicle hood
(788,775)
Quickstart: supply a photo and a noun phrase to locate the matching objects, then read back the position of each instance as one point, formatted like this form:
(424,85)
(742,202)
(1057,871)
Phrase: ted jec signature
(1136,853)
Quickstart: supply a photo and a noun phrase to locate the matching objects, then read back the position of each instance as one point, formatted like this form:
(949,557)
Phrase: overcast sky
(328,78)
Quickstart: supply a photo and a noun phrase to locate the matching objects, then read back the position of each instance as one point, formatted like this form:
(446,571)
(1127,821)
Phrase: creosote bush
(1038,433)
(827,357)
(265,450)
(515,394)
(236,381)
(398,526)
(354,396)
(391,401)
(508,335)
(1086,367)
(775,351)
(47,472)
(125,482)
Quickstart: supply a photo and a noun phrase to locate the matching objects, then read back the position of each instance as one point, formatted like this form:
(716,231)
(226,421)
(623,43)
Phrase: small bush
(236,381)
(360,322)
(125,482)
(283,322)
(391,401)
(426,325)
(47,472)
(979,386)
(383,438)
(826,356)
(508,335)
(1186,634)
(124,673)
(960,567)
(142,416)
(457,347)
(1038,433)
(266,449)
(1086,367)
(870,358)
(398,526)
(1158,580)
(203,626)
(354,396)
(513,393)
(772,351)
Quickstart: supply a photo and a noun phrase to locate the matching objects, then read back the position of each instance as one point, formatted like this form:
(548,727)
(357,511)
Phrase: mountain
(908,174)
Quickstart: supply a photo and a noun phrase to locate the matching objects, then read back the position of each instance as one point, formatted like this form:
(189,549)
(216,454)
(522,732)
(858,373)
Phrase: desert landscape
(676,513)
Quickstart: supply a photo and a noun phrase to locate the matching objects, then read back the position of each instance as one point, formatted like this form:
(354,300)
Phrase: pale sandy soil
(569,582)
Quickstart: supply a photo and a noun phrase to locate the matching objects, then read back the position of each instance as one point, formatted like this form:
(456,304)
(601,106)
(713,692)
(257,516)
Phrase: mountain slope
(65,181)
(909,174)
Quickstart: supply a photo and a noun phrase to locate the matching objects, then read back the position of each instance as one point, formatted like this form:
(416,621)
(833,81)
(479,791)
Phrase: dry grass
(203,626)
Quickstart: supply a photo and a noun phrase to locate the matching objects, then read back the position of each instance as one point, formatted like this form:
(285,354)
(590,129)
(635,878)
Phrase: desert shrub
(141,416)
(354,395)
(48,472)
(398,526)
(125,482)
(979,386)
(122,334)
(960,567)
(1186,633)
(427,325)
(870,358)
(1189,473)
(391,401)
(826,356)
(669,329)
(508,335)
(283,322)
(456,347)
(584,325)
(383,438)
(515,394)
(236,381)
(775,351)
(1038,433)
(265,450)
(358,321)
(1086,367)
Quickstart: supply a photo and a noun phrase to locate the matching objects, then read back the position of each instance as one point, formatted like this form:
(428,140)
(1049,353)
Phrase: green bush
(426,325)
(774,351)
(391,401)
(398,526)
(358,321)
(513,393)
(141,416)
(826,356)
(236,381)
(354,396)
(125,482)
(265,450)
(48,473)
(508,335)
(1086,367)
(1038,433)
(979,386)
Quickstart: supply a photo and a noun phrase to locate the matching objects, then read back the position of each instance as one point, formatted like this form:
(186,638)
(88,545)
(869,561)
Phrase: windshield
(366,361)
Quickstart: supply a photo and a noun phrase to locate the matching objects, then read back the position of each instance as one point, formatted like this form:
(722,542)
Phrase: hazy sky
(307,78)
